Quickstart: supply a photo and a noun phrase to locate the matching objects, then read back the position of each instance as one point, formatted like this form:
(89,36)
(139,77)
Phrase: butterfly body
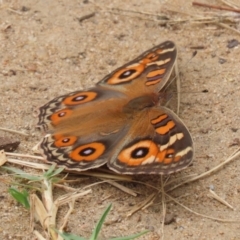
(120,121)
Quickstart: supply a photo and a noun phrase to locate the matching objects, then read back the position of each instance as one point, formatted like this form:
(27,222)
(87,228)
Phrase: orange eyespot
(166,156)
(126,74)
(88,152)
(63,141)
(79,98)
(60,115)
(135,155)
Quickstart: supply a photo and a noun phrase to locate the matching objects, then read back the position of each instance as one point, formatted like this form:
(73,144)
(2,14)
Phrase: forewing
(149,72)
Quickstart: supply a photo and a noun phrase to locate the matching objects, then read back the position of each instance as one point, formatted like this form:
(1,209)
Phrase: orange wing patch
(63,141)
(162,130)
(147,152)
(79,98)
(88,152)
(58,116)
(126,74)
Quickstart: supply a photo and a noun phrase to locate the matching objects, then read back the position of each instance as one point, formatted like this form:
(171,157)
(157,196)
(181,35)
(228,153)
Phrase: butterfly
(120,121)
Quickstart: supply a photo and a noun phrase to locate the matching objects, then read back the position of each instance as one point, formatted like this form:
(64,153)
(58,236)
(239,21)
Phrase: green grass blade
(53,171)
(22,174)
(100,223)
(21,197)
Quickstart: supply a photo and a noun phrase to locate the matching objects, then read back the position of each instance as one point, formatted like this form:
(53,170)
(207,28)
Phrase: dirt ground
(48,49)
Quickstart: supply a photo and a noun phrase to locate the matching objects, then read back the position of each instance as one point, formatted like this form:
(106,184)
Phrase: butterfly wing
(149,72)
(83,127)
(157,142)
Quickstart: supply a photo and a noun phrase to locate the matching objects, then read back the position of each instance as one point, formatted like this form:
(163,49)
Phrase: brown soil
(47,50)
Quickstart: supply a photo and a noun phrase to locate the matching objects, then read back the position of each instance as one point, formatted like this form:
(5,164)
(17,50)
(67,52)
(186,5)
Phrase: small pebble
(232,43)
(169,218)
(222,60)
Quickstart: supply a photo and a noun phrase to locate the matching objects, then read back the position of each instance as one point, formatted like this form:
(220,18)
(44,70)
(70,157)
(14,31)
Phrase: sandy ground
(47,50)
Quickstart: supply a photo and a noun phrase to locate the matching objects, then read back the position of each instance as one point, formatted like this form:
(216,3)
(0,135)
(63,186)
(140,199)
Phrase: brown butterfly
(119,122)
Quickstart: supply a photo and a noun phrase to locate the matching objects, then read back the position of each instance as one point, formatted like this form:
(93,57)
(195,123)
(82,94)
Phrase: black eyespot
(127,73)
(87,151)
(65,140)
(140,152)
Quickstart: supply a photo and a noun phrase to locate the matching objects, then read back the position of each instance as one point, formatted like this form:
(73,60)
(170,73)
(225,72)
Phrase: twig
(215,7)
(164,207)
(24,155)
(85,17)
(160,18)
(38,235)
(14,11)
(178,83)
(228,3)
(3,158)
(121,187)
(70,210)
(141,205)
(202,215)
(140,12)
(13,131)
(229,159)
(216,197)
(228,27)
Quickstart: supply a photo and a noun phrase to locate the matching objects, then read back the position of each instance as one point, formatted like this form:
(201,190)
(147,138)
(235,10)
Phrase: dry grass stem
(38,235)
(65,219)
(181,178)
(121,187)
(228,160)
(71,196)
(38,211)
(3,158)
(214,18)
(13,131)
(141,205)
(14,11)
(164,207)
(24,155)
(216,197)
(161,16)
(230,4)
(216,7)
(111,176)
(162,19)
(66,188)
(202,215)
(178,83)
(228,27)
(40,166)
